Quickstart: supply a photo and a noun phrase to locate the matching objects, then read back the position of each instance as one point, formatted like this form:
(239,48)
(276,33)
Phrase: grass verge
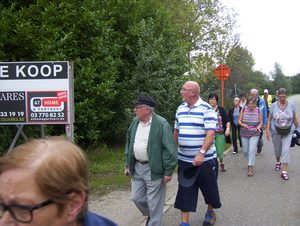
(106,170)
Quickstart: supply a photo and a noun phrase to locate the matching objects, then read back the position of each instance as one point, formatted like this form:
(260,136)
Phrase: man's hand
(264,127)
(167,179)
(198,160)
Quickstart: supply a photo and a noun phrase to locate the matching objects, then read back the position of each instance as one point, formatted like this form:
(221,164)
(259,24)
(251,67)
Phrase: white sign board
(36,93)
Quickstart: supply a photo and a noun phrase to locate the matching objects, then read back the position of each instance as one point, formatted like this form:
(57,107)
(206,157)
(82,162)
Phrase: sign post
(222,73)
(39,92)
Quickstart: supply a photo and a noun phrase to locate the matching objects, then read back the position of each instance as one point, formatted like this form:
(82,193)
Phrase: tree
(240,63)
(279,79)
(295,80)
(113,44)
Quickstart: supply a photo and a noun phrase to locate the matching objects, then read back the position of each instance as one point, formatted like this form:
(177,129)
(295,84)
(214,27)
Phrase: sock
(278,162)
(210,212)
(184,224)
(284,172)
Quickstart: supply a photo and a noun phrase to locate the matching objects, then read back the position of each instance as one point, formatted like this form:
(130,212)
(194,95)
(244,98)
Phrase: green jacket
(162,149)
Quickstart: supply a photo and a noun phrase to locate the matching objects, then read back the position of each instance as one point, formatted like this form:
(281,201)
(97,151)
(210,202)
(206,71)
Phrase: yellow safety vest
(269,99)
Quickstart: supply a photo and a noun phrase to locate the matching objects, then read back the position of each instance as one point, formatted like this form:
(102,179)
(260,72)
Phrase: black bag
(285,130)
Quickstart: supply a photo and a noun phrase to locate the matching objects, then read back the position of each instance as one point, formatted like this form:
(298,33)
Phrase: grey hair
(237,98)
(282,91)
(151,109)
(255,90)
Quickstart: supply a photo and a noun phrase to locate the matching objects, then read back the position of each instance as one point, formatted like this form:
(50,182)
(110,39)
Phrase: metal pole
(15,138)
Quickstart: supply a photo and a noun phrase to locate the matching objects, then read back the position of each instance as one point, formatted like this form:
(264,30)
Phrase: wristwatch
(202,151)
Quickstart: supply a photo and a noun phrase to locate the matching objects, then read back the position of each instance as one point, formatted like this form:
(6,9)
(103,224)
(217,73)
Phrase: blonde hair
(58,165)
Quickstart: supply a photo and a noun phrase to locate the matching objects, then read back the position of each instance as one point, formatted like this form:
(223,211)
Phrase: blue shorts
(187,198)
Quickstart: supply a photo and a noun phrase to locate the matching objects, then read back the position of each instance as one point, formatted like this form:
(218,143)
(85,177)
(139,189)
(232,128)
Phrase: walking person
(275,98)
(268,99)
(151,157)
(260,103)
(222,128)
(194,133)
(281,125)
(251,124)
(234,114)
(243,99)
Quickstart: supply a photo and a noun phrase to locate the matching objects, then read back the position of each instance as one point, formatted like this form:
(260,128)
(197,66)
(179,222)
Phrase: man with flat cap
(151,157)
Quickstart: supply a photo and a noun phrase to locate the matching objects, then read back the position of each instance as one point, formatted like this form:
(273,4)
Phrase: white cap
(266,91)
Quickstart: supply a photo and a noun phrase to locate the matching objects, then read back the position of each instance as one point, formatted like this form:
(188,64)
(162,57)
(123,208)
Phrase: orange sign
(222,72)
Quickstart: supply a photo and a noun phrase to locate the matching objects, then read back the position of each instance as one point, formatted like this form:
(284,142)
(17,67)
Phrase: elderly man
(151,157)
(268,99)
(260,103)
(45,182)
(194,132)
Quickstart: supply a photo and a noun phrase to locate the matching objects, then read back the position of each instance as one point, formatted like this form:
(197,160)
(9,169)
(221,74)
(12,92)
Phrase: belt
(142,162)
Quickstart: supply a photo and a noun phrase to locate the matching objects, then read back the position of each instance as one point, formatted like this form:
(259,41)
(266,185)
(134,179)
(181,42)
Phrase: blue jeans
(249,148)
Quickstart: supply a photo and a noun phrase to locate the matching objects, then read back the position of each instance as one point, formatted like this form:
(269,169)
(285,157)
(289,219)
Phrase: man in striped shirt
(194,133)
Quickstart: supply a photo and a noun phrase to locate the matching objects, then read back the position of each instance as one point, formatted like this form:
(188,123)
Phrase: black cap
(145,99)
(188,175)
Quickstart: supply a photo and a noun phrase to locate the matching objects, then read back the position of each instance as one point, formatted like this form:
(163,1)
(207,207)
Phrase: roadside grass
(106,170)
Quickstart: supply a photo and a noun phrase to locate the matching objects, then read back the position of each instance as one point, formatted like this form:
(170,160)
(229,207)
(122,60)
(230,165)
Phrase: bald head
(190,92)
(194,86)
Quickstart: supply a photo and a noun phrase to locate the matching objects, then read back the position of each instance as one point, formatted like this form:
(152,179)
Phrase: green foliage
(106,169)
(280,80)
(119,49)
(241,62)
(295,80)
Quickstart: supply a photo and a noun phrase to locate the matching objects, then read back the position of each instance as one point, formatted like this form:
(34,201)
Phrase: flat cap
(145,99)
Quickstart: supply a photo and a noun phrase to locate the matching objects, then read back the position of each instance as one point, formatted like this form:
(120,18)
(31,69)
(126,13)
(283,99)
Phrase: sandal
(210,221)
(277,166)
(250,173)
(285,176)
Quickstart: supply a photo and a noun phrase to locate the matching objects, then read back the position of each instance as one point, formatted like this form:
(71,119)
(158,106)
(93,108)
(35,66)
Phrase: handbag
(285,130)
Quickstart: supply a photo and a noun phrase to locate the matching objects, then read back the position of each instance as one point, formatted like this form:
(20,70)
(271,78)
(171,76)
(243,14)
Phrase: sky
(270,30)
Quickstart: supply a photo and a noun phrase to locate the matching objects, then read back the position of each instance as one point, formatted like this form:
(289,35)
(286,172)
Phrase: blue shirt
(236,115)
(92,219)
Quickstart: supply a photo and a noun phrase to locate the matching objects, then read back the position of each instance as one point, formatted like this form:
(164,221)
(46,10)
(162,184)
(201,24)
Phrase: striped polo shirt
(192,124)
(250,118)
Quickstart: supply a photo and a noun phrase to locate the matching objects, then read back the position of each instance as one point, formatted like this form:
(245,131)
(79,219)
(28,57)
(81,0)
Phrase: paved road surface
(264,199)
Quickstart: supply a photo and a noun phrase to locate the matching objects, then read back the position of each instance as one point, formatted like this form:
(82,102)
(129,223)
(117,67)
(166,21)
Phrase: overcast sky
(270,30)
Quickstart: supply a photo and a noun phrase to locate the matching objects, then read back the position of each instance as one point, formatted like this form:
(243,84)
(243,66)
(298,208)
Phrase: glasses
(184,90)
(137,108)
(20,213)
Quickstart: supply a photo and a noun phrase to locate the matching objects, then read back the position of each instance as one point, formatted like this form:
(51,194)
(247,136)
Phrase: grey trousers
(149,196)
(282,146)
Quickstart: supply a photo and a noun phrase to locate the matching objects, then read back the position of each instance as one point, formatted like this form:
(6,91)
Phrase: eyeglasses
(184,90)
(20,213)
(137,108)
